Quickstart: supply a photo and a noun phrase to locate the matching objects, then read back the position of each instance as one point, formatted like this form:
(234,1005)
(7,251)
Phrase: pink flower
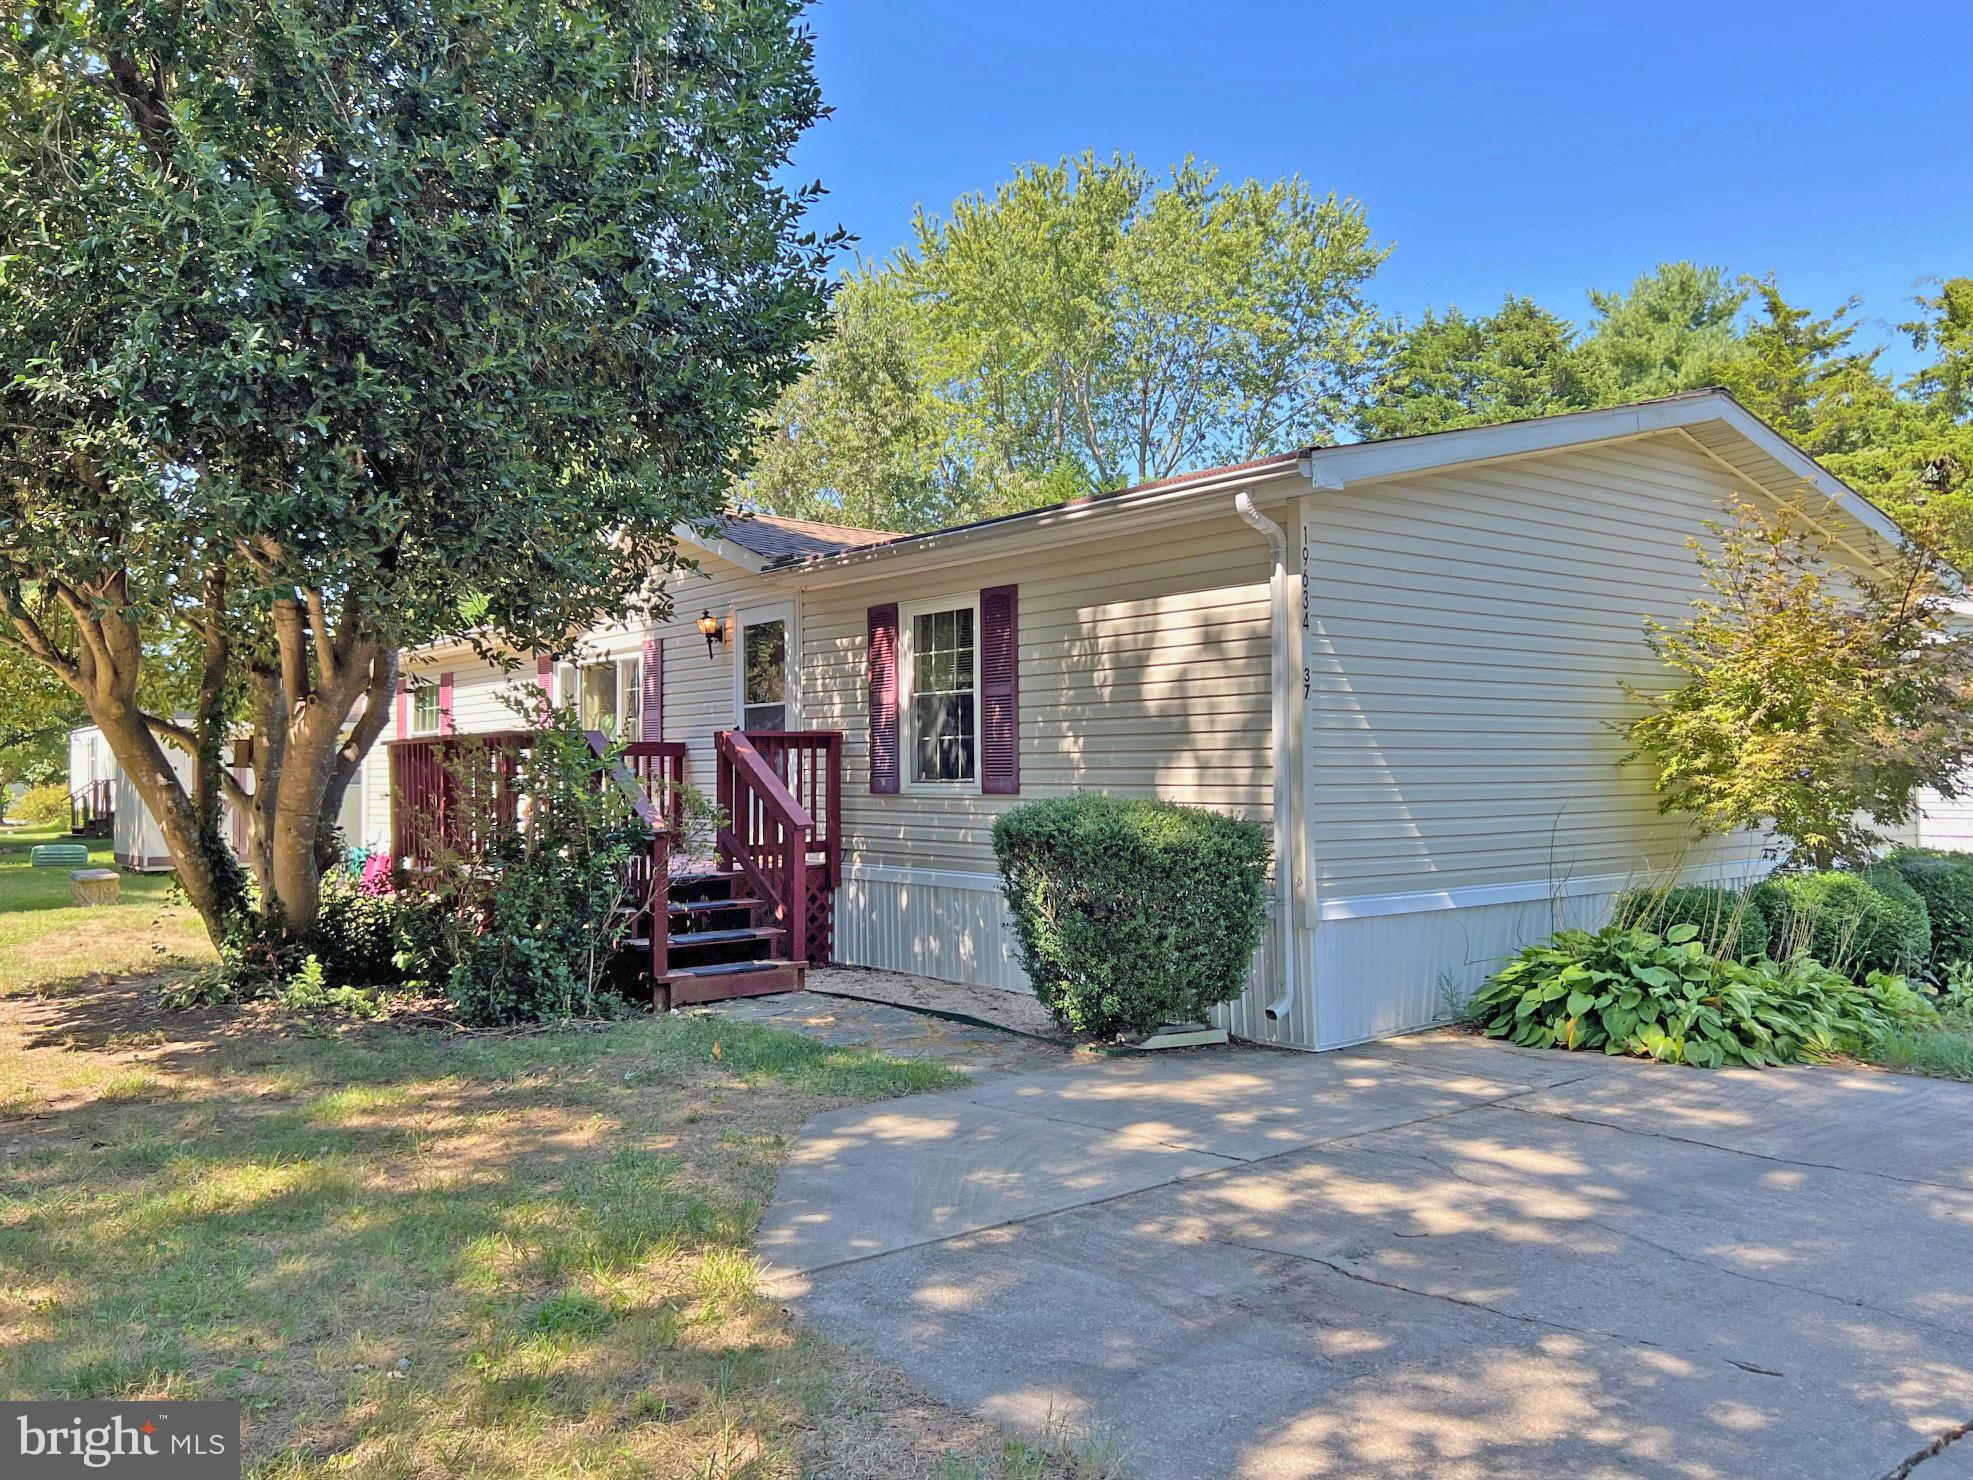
(376,880)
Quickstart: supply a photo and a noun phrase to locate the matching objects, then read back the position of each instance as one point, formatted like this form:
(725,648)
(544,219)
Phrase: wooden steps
(722,941)
(734,979)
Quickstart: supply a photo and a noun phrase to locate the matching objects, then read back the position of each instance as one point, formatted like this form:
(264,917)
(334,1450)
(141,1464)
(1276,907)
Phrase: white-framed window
(424,709)
(939,692)
(763,676)
(608,695)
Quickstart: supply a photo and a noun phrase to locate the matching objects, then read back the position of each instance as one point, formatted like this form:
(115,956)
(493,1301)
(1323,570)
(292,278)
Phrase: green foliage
(1083,326)
(42,806)
(1813,703)
(1625,990)
(360,936)
(37,711)
(1945,882)
(1729,922)
(1453,371)
(528,920)
(1674,329)
(327,333)
(1852,922)
(1131,913)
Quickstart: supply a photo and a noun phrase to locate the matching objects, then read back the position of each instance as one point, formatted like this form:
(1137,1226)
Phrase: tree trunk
(203,873)
(348,761)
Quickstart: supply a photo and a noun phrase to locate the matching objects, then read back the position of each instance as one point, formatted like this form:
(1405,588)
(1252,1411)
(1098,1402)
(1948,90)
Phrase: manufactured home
(1406,656)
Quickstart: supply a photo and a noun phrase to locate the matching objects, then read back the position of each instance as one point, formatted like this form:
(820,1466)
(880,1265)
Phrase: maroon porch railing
(659,766)
(780,792)
(811,763)
(456,793)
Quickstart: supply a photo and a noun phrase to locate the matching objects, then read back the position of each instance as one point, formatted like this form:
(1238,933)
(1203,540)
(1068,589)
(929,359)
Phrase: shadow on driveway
(1436,1256)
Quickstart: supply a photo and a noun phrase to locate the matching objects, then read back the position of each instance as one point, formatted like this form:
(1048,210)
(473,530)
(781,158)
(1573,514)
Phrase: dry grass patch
(414,1255)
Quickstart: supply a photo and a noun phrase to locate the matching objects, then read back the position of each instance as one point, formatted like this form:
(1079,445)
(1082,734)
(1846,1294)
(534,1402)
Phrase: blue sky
(1539,149)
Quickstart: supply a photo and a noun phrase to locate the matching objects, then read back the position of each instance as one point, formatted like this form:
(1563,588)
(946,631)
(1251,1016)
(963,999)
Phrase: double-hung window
(941,683)
(425,709)
(607,696)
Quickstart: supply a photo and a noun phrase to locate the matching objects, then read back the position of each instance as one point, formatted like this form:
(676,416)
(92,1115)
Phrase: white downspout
(1284,783)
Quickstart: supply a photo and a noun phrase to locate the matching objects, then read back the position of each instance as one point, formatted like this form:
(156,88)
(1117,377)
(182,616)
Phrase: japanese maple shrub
(1131,913)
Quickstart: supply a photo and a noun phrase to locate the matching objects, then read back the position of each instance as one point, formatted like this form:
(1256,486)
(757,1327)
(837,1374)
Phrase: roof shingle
(776,537)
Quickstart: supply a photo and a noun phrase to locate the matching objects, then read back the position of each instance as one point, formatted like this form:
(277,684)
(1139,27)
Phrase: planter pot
(92,886)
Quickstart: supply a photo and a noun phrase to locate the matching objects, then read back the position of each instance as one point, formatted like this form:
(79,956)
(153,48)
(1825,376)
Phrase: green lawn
(414,1254)
(48,945)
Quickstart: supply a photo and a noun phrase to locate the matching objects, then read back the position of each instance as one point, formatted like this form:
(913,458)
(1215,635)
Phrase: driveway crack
(1930,1451)
(1512,1315)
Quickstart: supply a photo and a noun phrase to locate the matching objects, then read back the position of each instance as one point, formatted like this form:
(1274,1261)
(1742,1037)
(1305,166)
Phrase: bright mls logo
(142,1441)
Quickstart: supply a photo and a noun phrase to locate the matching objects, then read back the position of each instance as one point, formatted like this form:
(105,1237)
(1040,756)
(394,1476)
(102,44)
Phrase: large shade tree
(1087,325)
(331,326)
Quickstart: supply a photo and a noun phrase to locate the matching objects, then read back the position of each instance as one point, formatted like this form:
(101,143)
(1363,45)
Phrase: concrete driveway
(1433,1257)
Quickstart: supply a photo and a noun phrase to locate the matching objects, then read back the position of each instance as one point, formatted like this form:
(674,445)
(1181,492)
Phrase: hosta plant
(1661,996)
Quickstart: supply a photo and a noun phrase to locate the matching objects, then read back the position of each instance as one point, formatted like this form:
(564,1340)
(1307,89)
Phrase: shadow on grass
(509,1254)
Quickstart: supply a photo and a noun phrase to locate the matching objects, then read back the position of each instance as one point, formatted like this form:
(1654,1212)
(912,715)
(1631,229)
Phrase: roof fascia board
(1361,462)
(1339,467)
(1154,508)
(725,549)
(1811,472)
(1821,525)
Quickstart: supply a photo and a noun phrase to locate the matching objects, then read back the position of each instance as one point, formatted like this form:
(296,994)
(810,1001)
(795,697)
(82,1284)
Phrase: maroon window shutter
(403,708)
(883,698)
(652,674)
(1000,691)
(544,675)
(445,704)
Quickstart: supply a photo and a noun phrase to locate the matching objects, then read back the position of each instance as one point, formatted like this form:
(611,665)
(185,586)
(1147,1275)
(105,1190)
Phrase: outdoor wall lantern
(712,629)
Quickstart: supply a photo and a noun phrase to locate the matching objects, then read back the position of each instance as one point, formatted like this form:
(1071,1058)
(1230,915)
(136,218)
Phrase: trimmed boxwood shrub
(1729,922)
(1131,913)
(1945,882)
(1854,923)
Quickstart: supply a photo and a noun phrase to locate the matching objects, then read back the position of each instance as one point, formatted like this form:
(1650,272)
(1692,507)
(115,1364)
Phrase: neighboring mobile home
(1422,640)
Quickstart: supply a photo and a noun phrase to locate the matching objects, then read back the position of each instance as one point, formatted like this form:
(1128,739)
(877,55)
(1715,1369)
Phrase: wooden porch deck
(747,921)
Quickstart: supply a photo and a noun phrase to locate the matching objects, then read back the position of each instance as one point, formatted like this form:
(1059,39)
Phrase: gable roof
(1716,423)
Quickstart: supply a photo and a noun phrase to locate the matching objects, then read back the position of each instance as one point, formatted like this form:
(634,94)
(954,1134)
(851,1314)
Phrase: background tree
(332,328)
(1453,371)
(862,438)
(1815,703)
(36,714)
(1918,460)
(1674,329)
(1087,326)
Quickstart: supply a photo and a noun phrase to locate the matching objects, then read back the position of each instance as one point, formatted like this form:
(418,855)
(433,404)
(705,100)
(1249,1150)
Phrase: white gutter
(1284,781)
(1089,518)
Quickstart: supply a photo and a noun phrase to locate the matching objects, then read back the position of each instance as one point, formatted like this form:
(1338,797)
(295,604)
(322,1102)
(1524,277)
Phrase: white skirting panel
(941,923)
(1246,1015)
(1371,967)
(952,926)
(1389,973)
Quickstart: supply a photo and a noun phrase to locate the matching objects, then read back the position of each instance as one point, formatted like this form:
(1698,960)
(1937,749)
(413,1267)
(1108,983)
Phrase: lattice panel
(821,918)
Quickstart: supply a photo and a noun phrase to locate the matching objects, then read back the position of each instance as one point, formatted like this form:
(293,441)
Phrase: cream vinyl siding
(1466,636)
(700,691)
(1143,671)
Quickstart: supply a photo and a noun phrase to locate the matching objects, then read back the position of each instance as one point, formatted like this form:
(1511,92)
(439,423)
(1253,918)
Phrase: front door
(765,696)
